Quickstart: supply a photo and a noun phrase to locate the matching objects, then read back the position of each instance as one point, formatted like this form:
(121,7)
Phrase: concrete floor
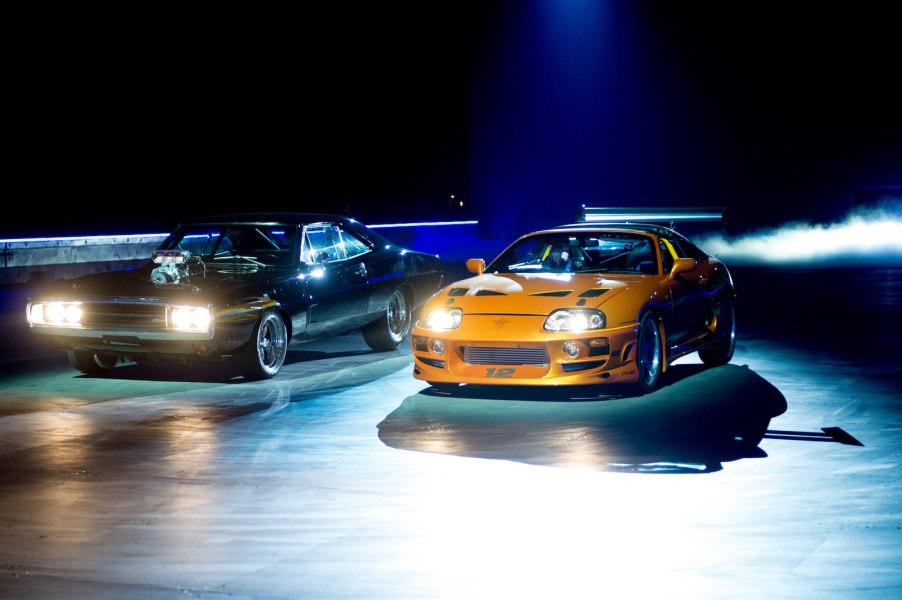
(777,476)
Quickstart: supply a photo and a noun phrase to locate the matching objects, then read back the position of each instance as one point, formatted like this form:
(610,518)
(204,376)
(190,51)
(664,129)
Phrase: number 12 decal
(500,373)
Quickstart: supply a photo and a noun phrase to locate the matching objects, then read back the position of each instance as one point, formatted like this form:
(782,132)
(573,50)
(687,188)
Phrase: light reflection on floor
(347,478)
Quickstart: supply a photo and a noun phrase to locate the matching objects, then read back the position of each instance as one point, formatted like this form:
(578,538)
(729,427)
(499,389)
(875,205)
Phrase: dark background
(127,121)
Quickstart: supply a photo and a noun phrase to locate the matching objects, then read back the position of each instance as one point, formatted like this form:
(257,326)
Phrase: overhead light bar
(650,215)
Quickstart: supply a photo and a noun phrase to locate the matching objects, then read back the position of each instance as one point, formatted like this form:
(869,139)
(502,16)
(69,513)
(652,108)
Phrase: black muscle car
(240,287)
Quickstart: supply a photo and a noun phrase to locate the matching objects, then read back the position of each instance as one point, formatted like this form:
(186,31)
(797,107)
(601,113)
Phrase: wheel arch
(410,294)
(286,318)
(658,311)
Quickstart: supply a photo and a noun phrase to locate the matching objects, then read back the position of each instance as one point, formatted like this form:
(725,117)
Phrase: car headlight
(188,318)
(443,319)
(575,319)
(60,314)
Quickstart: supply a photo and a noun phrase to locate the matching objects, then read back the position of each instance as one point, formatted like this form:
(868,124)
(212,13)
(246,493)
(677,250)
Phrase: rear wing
(650,215)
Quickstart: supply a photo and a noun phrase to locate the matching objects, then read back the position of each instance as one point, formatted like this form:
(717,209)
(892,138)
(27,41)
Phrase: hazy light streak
(866,236)
(422,224)
(87,238)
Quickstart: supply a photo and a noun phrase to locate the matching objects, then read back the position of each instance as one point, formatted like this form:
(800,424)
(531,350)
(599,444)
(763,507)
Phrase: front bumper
(141,328)
(515,350)
(149,343)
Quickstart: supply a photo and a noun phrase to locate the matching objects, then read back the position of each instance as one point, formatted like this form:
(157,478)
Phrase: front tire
(649,359)
(725,329)
(388,331)
(93,363)
(265,353)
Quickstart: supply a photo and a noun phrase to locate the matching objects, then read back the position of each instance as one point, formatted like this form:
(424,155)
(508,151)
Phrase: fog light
(438,347)
(571,349)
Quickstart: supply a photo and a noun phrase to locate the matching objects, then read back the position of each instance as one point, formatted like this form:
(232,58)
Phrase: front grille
(505,356)
(124,315)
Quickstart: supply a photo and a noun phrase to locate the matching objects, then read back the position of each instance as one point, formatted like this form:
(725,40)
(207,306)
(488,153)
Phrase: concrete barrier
(38,260)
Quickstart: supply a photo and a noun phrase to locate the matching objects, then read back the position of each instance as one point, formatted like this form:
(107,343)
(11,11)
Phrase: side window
(641,258)
(687,249)
(280,237)
(353,246)
(322,244)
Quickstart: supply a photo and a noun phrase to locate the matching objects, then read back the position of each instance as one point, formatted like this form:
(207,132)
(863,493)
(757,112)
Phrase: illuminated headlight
(443,319)
(578,319)
(189,318)
(63,314)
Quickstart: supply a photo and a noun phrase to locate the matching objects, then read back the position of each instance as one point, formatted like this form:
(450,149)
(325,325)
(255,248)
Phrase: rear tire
(265,353)
(725,329)
(648,354)
(94,363)
(388,331)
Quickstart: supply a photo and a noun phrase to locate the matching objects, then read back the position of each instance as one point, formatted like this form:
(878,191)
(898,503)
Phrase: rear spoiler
(650,215)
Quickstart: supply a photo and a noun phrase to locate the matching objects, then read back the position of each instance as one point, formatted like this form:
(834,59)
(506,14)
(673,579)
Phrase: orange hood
(530,293)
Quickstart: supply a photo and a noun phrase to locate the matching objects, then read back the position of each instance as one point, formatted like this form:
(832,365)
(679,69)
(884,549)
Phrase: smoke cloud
(871,236)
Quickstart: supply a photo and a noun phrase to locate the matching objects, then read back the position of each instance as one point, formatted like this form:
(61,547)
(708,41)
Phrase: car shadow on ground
(698,420)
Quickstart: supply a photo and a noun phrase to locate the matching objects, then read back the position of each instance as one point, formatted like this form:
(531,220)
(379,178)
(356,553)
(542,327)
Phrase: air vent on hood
(460,291)
(558,294)
(595,293)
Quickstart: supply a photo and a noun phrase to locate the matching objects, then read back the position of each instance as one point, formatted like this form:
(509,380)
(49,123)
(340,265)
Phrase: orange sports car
(579,304)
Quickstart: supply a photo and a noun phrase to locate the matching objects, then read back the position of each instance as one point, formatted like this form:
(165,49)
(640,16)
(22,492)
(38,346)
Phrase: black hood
(215,284)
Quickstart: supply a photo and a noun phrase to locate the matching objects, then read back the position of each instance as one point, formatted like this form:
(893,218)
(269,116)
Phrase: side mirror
(476,265)
(682,265)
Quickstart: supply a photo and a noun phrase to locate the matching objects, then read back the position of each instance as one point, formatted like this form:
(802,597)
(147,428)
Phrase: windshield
(578,252)
(253,244)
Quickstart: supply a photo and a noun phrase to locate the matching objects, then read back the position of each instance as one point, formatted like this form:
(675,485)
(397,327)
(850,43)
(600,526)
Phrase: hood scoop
(555,294)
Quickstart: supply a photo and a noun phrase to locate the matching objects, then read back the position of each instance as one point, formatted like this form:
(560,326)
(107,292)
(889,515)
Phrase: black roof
(291,218)
(296,218)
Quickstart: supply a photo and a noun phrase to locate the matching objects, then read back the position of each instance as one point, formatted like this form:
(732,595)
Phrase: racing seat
(640,259)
